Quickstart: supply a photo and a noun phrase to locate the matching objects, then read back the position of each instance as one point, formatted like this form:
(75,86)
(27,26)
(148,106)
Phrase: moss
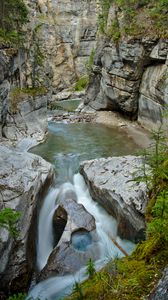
(18,95)
(129,278)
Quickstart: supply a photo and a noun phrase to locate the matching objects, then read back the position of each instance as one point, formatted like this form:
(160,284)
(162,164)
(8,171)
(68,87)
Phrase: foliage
(82,83)
(139,18)
(158,226)
(90,268)
(37,55)
(8,220)
(114,31)
(13,15)
(19,296)
(133,277)
(103,16)
(77,289)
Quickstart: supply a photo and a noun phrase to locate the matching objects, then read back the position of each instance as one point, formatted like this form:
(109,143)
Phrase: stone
(160,292)
(153,96)
(24,178)
(125,68)
(111,183)
(65,258)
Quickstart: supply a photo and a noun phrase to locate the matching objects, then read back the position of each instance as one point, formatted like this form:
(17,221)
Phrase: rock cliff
(71,35)
(129,74)
(24,179)
(59,38)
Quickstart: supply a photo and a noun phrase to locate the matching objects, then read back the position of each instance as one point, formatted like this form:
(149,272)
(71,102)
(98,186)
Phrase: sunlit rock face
(70,29)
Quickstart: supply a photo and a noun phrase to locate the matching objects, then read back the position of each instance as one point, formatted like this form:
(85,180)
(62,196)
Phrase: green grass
(82,83)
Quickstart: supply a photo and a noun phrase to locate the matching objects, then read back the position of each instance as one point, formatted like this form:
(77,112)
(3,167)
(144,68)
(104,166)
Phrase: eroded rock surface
(161,290)
(129,75)
(65,258)
(110,182)
(24,177)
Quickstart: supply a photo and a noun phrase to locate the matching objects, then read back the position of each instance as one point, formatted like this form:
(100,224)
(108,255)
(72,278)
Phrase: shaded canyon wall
(129,75)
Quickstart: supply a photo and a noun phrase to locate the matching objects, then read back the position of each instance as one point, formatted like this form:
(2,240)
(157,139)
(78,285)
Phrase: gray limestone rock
(132,75)
(65,257)
(153,95)
(161,290)
(24,178)
(111,183)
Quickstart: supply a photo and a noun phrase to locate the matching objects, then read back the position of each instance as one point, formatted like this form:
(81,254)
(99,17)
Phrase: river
(66,146)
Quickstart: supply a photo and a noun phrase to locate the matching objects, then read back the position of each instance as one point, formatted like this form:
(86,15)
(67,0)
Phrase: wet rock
(59,223)
(161,290)
(110,182)
(74,117)
(24,177)
(66,258)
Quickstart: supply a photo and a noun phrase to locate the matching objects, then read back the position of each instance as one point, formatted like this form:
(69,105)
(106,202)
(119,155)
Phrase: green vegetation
(134,277)
(90,268)
(8,220)
(90,62)
(18,95)
(19,296)
(139,18)
(37,55)
(82,83)
(13,15)
(77,290)
(103,16)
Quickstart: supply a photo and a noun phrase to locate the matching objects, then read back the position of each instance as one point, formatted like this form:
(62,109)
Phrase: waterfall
(106,227)
(45,229)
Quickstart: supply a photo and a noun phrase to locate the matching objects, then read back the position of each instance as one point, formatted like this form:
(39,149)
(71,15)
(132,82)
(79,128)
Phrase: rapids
(66,146)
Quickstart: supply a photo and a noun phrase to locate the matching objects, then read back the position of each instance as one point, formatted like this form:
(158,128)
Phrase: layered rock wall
(59,38)
(70,39)
(130,75)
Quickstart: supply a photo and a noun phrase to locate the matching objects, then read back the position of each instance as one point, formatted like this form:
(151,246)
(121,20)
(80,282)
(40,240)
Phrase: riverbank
(135,131)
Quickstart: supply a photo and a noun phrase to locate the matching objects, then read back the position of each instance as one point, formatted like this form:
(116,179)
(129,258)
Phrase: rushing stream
(67,145)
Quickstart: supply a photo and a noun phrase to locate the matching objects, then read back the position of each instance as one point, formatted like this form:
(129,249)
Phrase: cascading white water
(106,226)
(45,229)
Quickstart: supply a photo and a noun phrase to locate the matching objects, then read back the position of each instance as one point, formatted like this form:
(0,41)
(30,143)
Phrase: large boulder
(111,183)
(24,179)
(78,241)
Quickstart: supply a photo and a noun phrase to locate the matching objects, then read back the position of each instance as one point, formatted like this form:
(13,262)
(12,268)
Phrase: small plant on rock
(90,268)
(77,289)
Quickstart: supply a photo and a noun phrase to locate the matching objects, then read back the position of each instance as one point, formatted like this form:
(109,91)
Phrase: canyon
(127,76)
